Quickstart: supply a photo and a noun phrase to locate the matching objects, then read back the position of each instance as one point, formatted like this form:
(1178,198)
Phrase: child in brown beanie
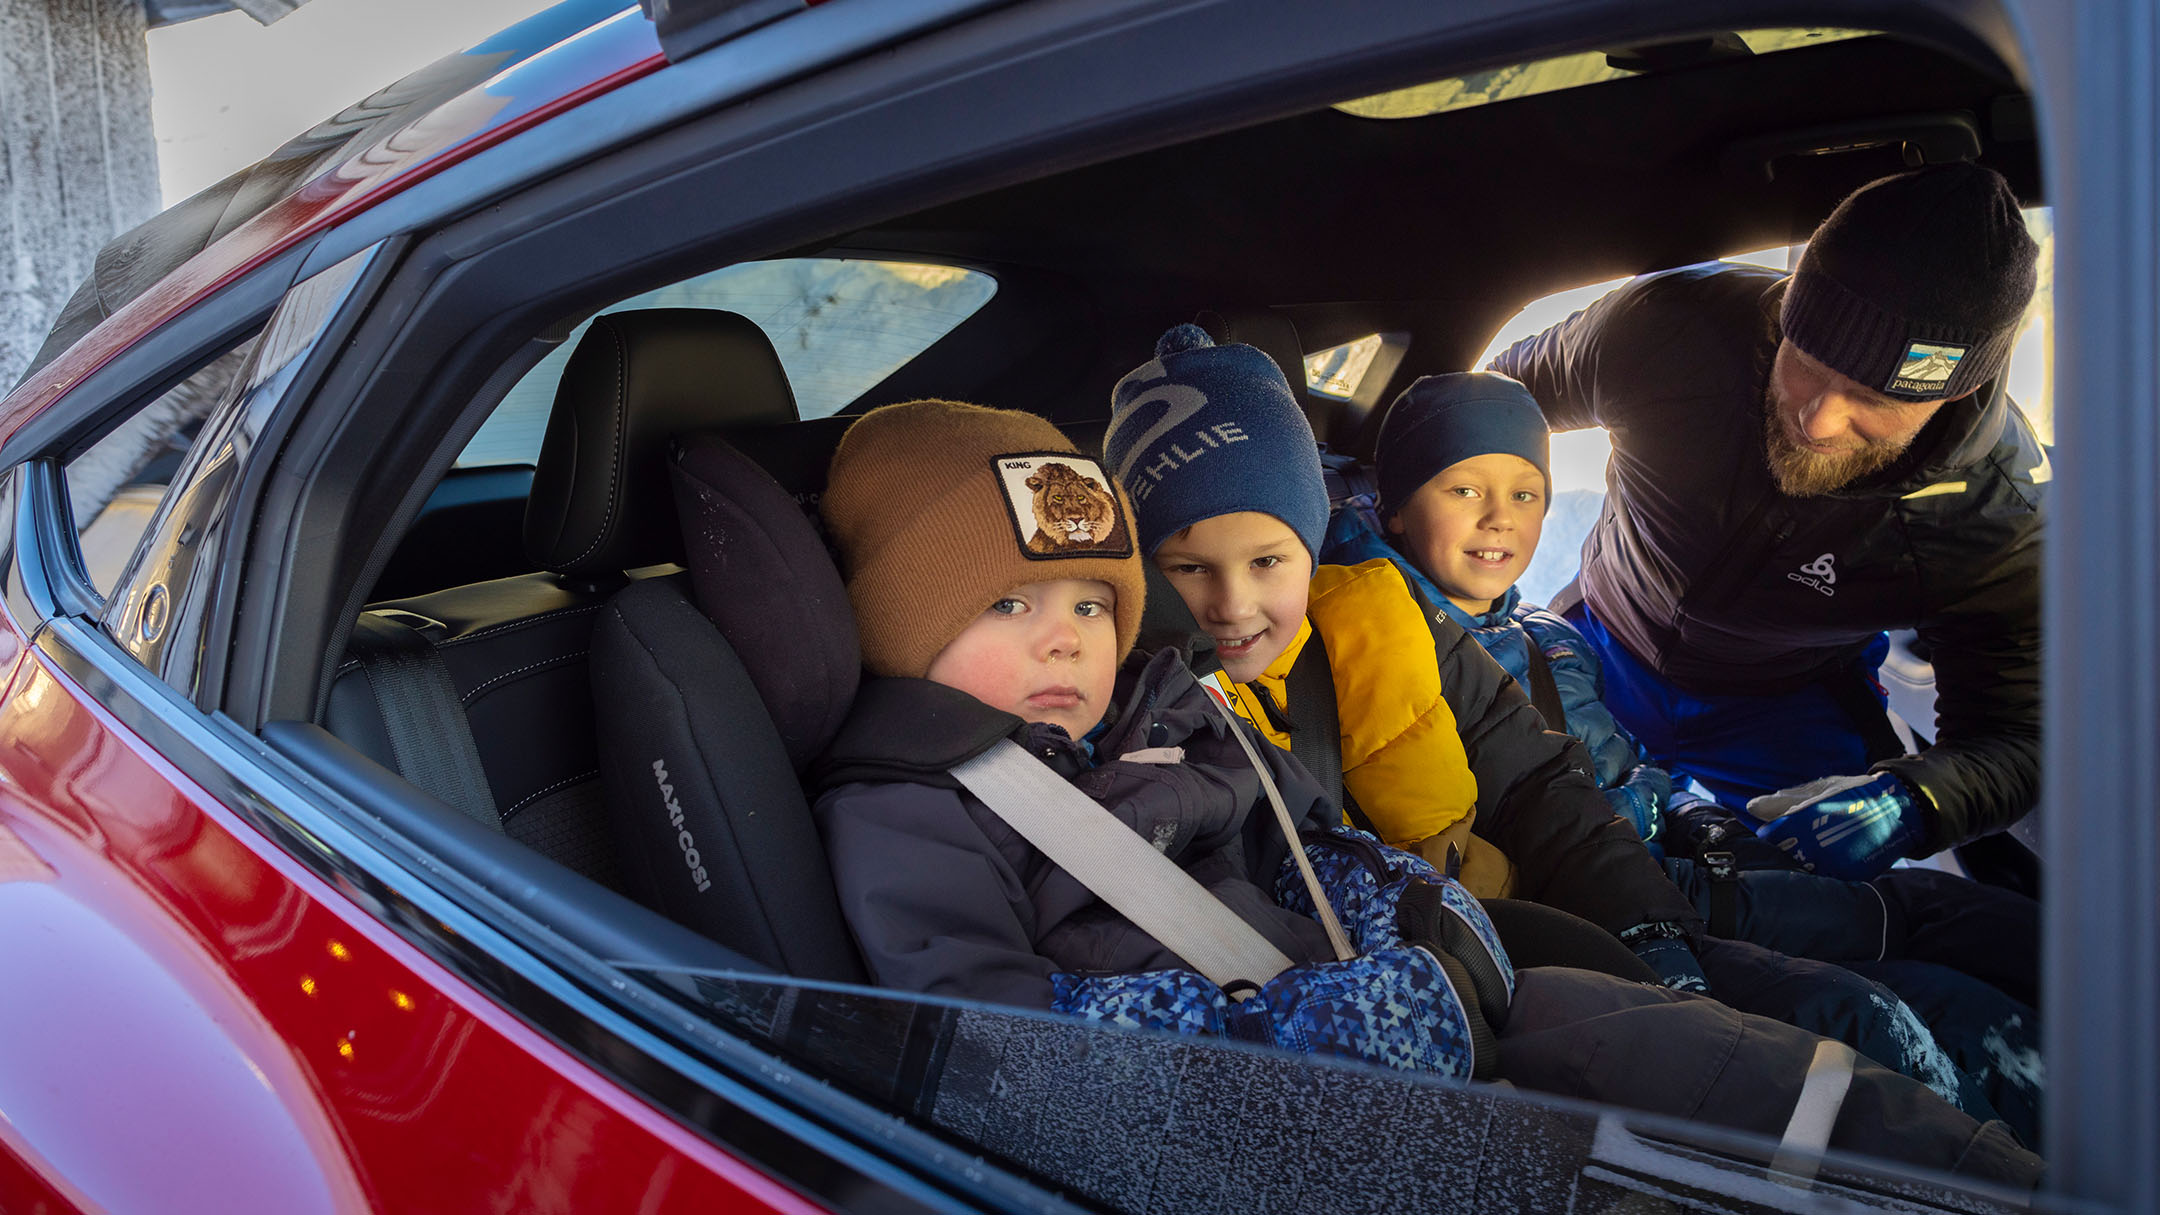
(997,590)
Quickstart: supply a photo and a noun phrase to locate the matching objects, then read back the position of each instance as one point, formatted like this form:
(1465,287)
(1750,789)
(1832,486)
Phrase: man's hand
(1850,827)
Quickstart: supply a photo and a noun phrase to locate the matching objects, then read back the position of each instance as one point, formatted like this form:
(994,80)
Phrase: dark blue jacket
(944,898)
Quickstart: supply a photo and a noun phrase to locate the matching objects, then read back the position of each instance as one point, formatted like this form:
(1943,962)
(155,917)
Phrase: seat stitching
(565,782)
(556,661)
(622,416)
(512,625)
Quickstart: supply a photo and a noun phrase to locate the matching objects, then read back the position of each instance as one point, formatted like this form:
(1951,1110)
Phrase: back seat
(517,752)
(525,660)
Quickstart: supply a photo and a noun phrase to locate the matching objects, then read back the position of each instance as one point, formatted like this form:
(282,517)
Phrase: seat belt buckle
(1724,869)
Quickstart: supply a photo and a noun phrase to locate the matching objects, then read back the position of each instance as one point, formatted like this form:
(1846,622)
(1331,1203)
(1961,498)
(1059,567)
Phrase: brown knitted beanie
(939,508)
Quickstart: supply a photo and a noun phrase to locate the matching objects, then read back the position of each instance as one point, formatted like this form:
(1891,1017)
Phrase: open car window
(516,653)
(1578,456)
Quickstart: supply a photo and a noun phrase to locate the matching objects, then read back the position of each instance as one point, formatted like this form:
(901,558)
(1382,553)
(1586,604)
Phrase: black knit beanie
(1915,285)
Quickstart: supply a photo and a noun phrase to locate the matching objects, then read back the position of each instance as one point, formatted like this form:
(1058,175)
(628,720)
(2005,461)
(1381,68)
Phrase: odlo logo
(683,838)
(1819,573)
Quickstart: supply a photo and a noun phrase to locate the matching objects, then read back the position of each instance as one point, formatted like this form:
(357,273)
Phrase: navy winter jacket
(944,898)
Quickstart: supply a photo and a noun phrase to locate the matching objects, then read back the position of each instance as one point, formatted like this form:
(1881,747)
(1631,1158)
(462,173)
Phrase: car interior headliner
(1442,226)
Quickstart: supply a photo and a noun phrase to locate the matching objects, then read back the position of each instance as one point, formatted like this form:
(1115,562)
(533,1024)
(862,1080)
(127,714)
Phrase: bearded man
(1800,463)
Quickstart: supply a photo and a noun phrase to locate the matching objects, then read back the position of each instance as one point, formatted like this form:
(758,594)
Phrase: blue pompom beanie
(1203,430)
(1442,420)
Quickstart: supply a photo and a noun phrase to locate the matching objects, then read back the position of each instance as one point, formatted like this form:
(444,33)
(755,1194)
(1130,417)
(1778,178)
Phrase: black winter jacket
(944,898)
(1704,570)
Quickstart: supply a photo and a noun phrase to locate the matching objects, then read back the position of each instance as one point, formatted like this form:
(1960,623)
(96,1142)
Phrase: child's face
(1473,528)
(1044,652)
(1245,576)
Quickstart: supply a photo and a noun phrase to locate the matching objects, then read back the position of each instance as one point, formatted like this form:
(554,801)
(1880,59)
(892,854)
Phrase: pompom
(1182,338)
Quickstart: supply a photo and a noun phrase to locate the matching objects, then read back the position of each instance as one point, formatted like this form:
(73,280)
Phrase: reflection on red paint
(180,956)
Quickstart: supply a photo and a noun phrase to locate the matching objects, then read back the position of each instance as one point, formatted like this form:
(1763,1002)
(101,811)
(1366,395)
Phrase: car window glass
(1338,370)
(116,484)
(1579,456)
(159,606)
(1137,1119)
(840,325)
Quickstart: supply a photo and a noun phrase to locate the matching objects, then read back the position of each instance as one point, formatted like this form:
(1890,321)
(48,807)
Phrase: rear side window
(116,484)
(840,325)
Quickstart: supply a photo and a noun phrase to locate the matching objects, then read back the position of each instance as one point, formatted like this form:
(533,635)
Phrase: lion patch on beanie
(1061,506)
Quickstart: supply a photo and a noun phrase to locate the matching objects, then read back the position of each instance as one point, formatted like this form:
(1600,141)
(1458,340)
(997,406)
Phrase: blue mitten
(1362,878)
(1850,827)
(1641,799)
(1387,897)
(1407,1008)
(1174,1001)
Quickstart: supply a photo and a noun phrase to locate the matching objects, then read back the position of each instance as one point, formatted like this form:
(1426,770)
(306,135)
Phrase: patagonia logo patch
(1925,369)
(1062,506)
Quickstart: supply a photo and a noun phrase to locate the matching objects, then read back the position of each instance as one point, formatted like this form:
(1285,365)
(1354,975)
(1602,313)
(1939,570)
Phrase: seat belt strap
(430,737)
(1317,744)
(1807,1132)
(1323,910)
(1724,870)
(1544,692)
(1119,867)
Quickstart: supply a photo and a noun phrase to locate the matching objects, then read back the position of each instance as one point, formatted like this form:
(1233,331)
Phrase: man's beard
(1801,473)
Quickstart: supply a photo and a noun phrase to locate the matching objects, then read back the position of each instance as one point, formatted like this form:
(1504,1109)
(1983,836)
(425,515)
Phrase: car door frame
(2095,97)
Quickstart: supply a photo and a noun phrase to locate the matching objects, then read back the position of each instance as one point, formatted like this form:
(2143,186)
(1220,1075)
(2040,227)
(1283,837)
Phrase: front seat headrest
(600,502)
(1269,332)
(759,572)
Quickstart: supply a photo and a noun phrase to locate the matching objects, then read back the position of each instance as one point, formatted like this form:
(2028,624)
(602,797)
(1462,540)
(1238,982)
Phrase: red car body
(257,1040)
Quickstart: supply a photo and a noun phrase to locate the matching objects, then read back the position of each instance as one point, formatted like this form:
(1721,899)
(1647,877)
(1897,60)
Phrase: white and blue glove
(1849,827)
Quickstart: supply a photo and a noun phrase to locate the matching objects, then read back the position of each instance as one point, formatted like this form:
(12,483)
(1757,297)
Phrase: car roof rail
(686,27)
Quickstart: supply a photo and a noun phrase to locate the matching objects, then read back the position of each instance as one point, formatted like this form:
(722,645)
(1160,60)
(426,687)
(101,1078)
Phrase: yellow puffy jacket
(1441,747)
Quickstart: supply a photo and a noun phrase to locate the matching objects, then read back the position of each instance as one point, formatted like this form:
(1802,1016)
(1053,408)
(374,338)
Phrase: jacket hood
(911,730)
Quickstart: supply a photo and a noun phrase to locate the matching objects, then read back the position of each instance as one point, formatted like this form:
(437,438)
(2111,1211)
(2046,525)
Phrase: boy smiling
(1441,755)
(1245,576)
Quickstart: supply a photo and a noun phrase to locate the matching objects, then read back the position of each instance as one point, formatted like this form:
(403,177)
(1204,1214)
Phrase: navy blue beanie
(1205,430)
(1444,419)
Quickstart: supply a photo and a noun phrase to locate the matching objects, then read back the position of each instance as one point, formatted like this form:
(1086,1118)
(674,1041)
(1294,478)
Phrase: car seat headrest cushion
(600,501)
(759,572)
